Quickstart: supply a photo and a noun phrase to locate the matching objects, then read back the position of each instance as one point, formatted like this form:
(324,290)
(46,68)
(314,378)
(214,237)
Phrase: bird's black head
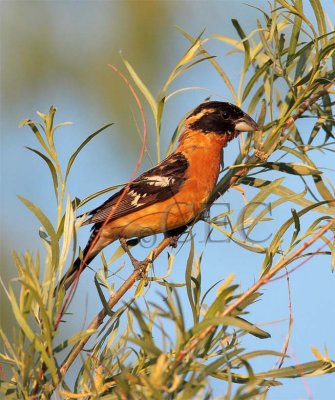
(220,118)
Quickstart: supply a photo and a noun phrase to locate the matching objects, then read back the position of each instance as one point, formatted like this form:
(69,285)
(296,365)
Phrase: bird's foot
(173,241)
(140,266)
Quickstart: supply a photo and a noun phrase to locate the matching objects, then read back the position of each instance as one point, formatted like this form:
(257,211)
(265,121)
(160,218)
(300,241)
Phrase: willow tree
(287,72)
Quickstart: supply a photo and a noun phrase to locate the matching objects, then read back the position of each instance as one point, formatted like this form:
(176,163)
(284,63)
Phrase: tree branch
(113,300)
(261,282)
(226,182)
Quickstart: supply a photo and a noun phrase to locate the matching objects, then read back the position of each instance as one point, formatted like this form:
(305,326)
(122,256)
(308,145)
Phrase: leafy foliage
(134,355)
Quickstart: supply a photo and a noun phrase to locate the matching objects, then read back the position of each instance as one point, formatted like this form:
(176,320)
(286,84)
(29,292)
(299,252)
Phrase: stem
(261,282)
(228,181)
(113,300)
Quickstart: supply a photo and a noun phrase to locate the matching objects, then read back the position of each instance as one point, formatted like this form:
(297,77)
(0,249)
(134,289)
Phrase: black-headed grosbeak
(172,194)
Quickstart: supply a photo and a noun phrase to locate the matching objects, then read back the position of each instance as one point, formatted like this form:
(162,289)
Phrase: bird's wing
(155,185)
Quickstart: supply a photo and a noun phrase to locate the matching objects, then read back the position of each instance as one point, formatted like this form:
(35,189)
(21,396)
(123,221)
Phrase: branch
(261,282)
(227,181)
(113,300)
(235,174)
(307,103)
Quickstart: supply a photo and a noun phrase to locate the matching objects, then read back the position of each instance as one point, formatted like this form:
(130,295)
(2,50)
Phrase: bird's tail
(74,272)
(78,266)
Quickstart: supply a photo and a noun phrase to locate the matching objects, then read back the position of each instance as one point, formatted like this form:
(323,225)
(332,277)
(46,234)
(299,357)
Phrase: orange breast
(203,153)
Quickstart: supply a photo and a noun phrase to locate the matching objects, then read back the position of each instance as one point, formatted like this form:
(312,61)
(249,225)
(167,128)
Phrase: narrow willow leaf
(222,298)
(99,193)
(303,57)
(51,168)
(254,102)
(171,258)
(140,288)
(313,368)
(296,224)
(278,237)
(322,189)
(283,191)
(295,33)
(251,246)
(270,209)
(245,41)
(186,89)
(87,140)
(146,346)
(320,19)
(215,366)
(259,199)
(188,280)
(230,321)
(68,233)
(73,340)
(47,225)
(292,168)
(104,302)
(318,355)
(255,78)
(37,133)
(258,353)
(31,335)
(184,69)
(216,65)
(237,44)
(332,258)
(145,329)
(142,87)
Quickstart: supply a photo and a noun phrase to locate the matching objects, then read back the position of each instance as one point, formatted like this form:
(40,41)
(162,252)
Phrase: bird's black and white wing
(155,185)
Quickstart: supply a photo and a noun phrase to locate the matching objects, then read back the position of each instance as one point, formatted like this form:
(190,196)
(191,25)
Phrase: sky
(56,53)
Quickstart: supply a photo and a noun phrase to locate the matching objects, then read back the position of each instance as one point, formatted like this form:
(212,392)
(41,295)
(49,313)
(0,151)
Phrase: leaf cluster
(157,350)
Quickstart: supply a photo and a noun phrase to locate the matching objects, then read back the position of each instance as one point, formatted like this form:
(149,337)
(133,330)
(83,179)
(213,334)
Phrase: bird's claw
(140,266)
(173,241)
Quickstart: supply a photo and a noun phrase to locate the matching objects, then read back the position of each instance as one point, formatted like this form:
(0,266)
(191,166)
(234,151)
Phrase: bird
(170,196)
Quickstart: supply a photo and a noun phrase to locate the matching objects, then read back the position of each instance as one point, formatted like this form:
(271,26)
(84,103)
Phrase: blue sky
(56,53)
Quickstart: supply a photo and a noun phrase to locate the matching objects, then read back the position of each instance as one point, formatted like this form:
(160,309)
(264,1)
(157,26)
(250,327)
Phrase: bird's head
(220,118)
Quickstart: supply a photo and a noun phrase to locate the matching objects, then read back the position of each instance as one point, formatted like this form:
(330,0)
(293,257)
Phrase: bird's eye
(225,114)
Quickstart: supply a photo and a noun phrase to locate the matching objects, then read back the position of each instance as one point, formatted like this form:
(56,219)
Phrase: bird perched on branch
(169,196)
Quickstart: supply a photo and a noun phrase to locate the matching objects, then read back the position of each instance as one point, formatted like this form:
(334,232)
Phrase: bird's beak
(246,124)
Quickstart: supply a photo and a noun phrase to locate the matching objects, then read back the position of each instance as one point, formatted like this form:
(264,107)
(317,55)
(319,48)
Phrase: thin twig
(235,174)
(307,103)
(230,180)
(113,300)
(123,194)
(261,282)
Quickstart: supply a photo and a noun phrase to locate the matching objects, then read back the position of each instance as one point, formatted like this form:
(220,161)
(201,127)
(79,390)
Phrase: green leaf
(292,168)
(230,321)
(278,237)
(31,335)
(322,189)
(47,225)
(245,41)
(87,140)
(102,298)
(190,283)
(74,339)
(274,204)
(216,65)
(320,19)
(255,78)
(313,368)
(142,87)
(283,191)
(51,168)
(294,37)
